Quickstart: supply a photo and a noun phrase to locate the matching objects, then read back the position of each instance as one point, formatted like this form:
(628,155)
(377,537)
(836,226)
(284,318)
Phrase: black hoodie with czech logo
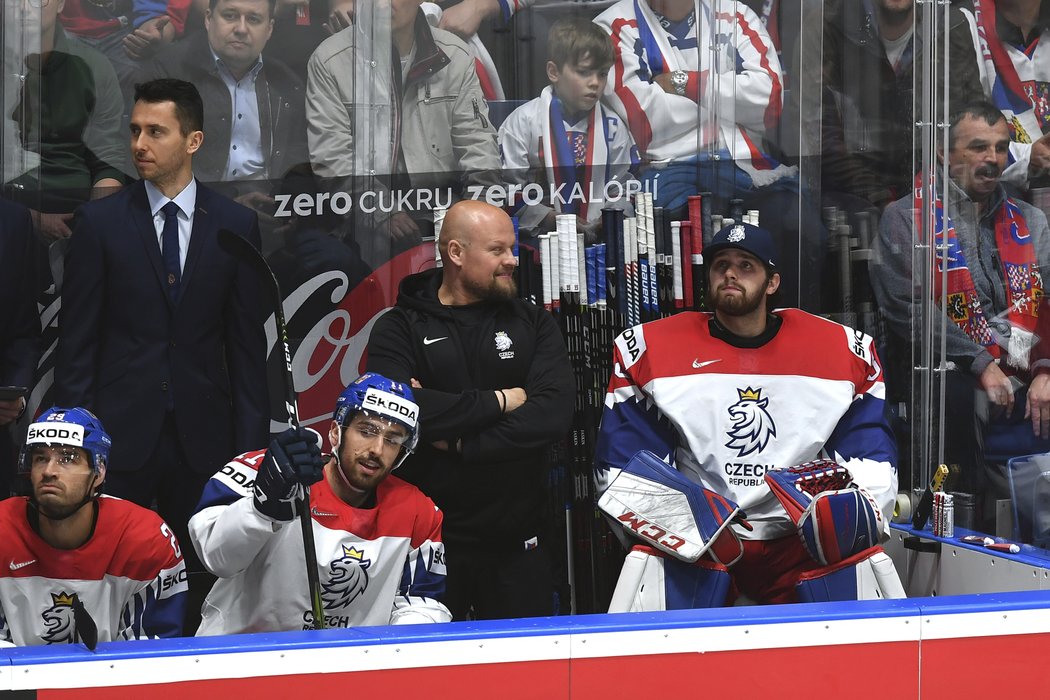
(495,490)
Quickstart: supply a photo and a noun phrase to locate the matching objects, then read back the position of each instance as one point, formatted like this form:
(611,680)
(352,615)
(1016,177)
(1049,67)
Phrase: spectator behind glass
(548,140)
(699,116)
(1013,63)
(68,114)
(996,329)
(865,134)
(255,121)
(128,32)
(440,128)
(658,90)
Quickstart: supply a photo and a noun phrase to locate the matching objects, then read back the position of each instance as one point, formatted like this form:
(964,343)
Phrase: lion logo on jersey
(59,624)
(347,580)
(503,344)
(752,425)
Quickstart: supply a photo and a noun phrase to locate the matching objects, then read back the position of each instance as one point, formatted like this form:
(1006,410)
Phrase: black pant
(488,584)
(167,482)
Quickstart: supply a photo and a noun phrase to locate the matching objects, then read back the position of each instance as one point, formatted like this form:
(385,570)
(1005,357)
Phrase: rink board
(953,647)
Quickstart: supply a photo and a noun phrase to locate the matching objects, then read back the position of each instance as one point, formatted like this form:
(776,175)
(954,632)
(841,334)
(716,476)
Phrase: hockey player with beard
(728,397)
(377,538)
(69,547)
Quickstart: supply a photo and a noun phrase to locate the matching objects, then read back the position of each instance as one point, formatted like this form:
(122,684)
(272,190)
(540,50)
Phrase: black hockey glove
(292,461)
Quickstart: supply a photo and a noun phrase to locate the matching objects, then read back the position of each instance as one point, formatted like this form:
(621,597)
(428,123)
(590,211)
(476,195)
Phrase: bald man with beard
(495,389)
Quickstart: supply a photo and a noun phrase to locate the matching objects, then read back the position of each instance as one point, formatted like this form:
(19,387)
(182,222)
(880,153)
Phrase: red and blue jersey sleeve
(631,421)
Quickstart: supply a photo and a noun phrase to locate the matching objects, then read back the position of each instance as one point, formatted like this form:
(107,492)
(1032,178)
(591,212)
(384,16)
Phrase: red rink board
(986,667)
(766,673)
(539,679)
(990,646)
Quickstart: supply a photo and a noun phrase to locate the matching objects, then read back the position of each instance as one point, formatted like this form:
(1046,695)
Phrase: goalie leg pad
(867,575)
(654,501)
(652,581)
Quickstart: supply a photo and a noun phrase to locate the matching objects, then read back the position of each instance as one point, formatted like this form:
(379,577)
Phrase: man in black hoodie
(495,389)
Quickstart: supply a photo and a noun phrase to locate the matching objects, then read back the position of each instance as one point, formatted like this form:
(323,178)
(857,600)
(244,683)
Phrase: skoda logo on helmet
(391,405)
(65,434)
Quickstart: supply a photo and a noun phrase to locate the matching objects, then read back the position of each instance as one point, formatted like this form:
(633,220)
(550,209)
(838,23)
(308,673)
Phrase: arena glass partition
(345,215)
(998,480)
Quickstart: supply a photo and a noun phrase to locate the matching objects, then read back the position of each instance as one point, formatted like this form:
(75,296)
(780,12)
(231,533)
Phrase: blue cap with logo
(752,239)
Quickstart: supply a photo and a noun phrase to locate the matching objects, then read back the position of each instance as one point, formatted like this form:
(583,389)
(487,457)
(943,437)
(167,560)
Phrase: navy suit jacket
(19,321)
(124,345)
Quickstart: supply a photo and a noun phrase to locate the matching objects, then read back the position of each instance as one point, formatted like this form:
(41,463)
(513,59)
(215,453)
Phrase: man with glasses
(377,538)
(80,566)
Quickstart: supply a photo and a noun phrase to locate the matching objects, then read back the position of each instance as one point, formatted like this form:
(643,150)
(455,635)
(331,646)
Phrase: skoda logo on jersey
(752,425)
(58,619)
(347,579)
(503,343)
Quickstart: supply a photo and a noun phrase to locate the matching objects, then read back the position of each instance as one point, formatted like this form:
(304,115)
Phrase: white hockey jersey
(1017,80)
(377,566)
(724,415)
(735,91)
(129,576)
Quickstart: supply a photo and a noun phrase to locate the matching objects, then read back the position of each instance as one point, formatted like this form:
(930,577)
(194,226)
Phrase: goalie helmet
(375,395)
(76,427)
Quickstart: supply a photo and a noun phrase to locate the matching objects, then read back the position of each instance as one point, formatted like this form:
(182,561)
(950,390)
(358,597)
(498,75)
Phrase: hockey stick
(245,252)
(84,628)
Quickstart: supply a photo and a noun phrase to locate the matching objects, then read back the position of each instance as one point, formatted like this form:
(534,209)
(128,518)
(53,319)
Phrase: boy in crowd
(565,138)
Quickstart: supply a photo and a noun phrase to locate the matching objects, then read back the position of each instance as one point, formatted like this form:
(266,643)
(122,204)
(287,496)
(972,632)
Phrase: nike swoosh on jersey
(431,341)
(697,364)
(16,567)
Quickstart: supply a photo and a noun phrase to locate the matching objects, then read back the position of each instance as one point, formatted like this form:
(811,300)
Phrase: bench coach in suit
(161,332)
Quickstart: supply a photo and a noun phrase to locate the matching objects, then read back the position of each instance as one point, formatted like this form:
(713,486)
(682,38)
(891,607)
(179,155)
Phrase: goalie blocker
(682,522)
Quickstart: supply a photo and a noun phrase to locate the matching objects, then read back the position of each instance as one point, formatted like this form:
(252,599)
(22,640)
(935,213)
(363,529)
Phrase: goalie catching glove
(293,461)
(835,518)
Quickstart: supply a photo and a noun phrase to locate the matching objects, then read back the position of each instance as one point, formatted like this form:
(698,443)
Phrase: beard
(739,305)
(494,290)
(61,511)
